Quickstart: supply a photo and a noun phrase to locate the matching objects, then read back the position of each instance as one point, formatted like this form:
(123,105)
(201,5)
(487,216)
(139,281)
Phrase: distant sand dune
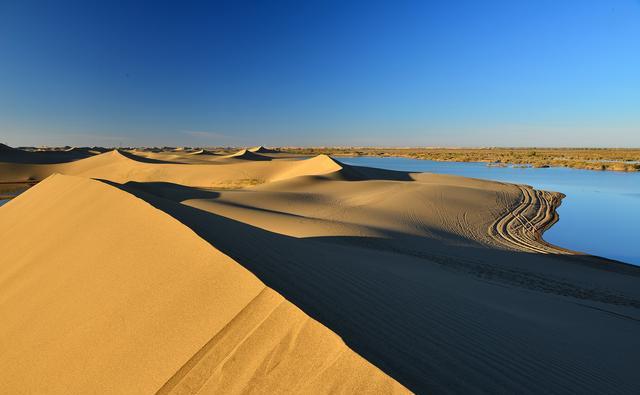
(247,155)
(122,166)
(13,155)
(202,152)
(262,150)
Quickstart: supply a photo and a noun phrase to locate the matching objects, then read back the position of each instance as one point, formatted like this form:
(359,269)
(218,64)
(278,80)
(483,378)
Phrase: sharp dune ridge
(202,152)
(13,155)
(185,317)
(248,155)
(262,150)
(242,276)
(121,166)
(415,289)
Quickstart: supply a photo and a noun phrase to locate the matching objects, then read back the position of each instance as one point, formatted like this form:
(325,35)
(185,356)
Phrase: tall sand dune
(102,293)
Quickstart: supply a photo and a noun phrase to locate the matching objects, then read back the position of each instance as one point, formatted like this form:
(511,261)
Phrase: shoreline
(521,232)
(604,166)
(522,227)
(619,160)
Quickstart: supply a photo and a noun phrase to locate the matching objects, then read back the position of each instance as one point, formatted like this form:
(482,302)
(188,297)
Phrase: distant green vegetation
(616,159)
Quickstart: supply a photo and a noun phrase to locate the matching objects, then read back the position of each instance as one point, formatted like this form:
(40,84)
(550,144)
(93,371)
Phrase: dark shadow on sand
(433,319)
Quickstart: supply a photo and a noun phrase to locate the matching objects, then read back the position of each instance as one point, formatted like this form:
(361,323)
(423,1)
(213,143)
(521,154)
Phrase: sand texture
(258,272)
(101,293)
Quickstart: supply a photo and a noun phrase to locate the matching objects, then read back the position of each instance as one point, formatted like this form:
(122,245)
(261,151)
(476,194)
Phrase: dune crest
(247,155)
(316,166)
(14,155)
(203,152)
(6,148)
(262,150)
(148,306)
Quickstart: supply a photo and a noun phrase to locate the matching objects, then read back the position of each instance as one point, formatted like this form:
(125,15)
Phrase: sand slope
(102,293)
(120,166)
(408,270)
(443,282)
(262,150)
(247,155)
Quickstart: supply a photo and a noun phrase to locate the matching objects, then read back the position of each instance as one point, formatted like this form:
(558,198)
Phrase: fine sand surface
(442,282)
(100,292)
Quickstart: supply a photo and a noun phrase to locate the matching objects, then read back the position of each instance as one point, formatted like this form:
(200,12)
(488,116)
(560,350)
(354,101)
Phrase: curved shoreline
(522,227)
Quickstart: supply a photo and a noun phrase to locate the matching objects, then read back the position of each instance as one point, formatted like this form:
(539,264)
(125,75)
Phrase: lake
(600,214)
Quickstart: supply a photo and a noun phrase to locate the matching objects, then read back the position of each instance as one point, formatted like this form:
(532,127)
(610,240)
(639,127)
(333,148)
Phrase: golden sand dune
(247,155)
(262,150)
(102,293)
(444,283)
(120,166)
(202,152)
(408,270)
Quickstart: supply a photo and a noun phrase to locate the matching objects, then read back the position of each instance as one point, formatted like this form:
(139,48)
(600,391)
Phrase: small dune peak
(6,148)
(247,155)
(261,150)
(112,155)
(117,153)
(240,153)
(326,160)
(317,166)
(202,152)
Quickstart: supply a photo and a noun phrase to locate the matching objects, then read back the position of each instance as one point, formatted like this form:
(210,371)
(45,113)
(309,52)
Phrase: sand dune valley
(261,271)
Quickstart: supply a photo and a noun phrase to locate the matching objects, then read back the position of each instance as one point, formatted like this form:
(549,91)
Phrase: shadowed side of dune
(14,155)
(248,155)
(463,319)
(262,150)
(142,159)
(203,152)
(101,292)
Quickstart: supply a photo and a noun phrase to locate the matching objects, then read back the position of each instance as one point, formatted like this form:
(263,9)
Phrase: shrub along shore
(616,159)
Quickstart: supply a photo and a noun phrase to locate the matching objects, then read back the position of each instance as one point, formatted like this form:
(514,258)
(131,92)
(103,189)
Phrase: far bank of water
(600,214)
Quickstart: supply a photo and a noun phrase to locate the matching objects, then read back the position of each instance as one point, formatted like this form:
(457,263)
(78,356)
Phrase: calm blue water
(3,201)
(599,216)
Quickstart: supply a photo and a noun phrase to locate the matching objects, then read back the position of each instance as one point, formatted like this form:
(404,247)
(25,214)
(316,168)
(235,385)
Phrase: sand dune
(414,265)
(262,150)
(202,152)
(122,298)
(445,283)
(122,166)
(13,155)
(247,155)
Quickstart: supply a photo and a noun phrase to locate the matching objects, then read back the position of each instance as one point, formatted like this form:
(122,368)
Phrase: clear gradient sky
(393,73)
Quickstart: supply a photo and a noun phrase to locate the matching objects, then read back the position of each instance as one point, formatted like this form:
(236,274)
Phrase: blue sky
(392,73)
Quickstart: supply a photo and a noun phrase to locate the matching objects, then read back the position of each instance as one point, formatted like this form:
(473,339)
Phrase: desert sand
(135,271)
(117,296)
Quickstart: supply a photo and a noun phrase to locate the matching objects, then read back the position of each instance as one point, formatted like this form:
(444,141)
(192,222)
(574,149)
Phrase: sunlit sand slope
(238,170)
(102,293)
(441,281)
